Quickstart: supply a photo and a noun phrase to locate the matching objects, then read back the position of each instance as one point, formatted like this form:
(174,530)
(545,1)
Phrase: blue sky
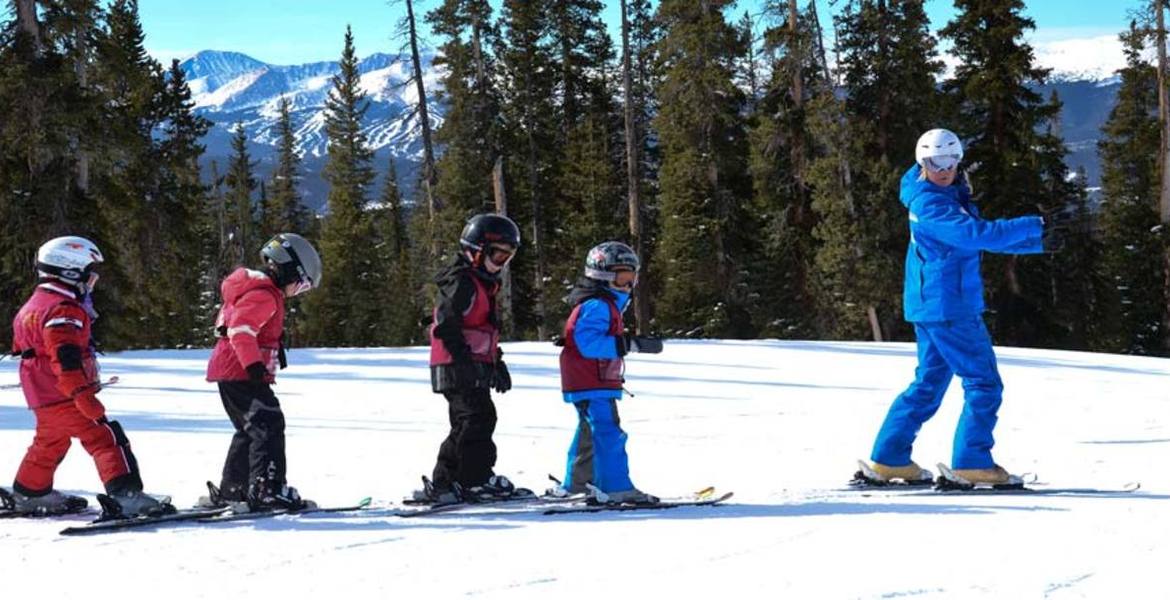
(298,31)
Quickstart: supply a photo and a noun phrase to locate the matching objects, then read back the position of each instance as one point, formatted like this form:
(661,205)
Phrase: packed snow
(779,423)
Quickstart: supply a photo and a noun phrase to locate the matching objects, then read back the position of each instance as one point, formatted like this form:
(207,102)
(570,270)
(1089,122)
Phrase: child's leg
(611,468)
(468,455)
(916,405)
(50,443)
(107,443)
(233,484)
(579,469)
(264,426)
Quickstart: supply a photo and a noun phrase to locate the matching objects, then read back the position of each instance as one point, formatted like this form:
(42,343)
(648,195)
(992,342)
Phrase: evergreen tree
(188,250)
(1002,122)
(531,130)
(469,133)
(343,311)
(290,214)
(398,323)
(780,154)
(702,250)
(1131,246)
(888,65)
(239,209)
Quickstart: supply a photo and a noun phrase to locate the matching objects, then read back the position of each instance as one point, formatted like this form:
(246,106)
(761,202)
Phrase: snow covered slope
(780,423)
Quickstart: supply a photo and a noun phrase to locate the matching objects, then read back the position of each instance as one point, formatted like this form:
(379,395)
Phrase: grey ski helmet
(607,257)
(292,259)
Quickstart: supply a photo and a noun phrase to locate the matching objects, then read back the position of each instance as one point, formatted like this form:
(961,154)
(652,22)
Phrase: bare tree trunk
(433,205)
(874,325)
(26,16)
(633,174)
(1163,160)
(537,240)
(79,68)
(505,296)
(797,151)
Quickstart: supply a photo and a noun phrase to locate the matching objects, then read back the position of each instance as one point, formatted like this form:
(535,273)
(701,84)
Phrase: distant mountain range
(231,88)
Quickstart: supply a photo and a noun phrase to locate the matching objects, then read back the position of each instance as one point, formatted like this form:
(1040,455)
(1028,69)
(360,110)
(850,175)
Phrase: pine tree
(1131,247)
(290,214)
(780,155)
(239,207)
(398,323)
(1001,120)
(188,249)
(888,64)
(341,312)
(469,133)
(701,256)
(531,130)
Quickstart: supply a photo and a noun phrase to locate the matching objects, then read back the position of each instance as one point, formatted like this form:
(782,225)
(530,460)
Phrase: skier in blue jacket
(592,373)
(943,298)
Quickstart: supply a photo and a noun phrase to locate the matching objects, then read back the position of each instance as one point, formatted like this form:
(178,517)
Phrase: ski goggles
(300,287)
(500,255)
(946,162)
(625,278)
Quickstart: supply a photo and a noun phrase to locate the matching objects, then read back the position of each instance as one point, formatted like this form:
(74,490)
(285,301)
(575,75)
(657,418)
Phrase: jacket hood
(244,280)
(914,186)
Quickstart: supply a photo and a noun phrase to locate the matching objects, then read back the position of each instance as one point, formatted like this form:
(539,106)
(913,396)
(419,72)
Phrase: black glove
(256,372)
(635,343)
(501,379)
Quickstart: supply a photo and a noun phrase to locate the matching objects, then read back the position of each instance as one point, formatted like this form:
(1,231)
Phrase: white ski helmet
(70,259)
(939,150)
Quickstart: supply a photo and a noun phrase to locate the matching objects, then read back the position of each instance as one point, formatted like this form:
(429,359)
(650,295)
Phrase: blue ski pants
(598,452)
(945,349)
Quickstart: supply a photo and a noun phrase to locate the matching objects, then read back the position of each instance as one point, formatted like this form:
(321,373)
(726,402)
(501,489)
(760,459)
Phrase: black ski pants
(256,453)
(468,454)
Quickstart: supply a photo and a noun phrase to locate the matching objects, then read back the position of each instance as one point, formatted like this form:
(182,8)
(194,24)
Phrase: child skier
(465,363)
(59,376)
(592,369)
(243,364)
(943,298)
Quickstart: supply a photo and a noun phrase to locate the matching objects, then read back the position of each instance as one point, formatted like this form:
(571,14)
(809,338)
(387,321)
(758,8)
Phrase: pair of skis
(220,514)
(948,483)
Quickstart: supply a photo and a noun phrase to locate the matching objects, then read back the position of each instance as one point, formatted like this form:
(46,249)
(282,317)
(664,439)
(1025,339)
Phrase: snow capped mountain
(230,88)
(1086,59)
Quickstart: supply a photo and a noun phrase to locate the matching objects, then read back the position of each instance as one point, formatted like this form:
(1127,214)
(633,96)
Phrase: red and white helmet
(939,150)
(71,259)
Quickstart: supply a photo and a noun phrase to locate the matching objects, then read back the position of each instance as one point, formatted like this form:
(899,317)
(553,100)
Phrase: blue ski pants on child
(963,348)
(598,452)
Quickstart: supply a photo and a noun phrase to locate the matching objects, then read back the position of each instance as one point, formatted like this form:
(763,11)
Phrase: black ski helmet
(291,258)
(489,228)
(607,257)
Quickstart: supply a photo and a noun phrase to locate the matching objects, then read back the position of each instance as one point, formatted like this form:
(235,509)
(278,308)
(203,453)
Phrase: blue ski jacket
(594,341)
(947,238)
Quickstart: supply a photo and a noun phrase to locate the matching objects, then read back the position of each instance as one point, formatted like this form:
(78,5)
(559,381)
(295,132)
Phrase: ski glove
(256,372)
(636,343)
(501,379)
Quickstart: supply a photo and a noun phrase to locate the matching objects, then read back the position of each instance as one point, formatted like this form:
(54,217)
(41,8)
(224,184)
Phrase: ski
(522,502)
(110,525)
(705,497)
(228,515)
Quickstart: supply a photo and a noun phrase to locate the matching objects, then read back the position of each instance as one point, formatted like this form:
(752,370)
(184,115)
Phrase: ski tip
(705,492)
(365,502)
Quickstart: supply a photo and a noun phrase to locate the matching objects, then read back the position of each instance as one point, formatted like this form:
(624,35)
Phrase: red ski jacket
(249,326)
(51,333)
(579,373)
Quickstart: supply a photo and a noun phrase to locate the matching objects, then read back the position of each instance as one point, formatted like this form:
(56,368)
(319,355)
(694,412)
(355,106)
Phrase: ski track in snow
(779,423)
